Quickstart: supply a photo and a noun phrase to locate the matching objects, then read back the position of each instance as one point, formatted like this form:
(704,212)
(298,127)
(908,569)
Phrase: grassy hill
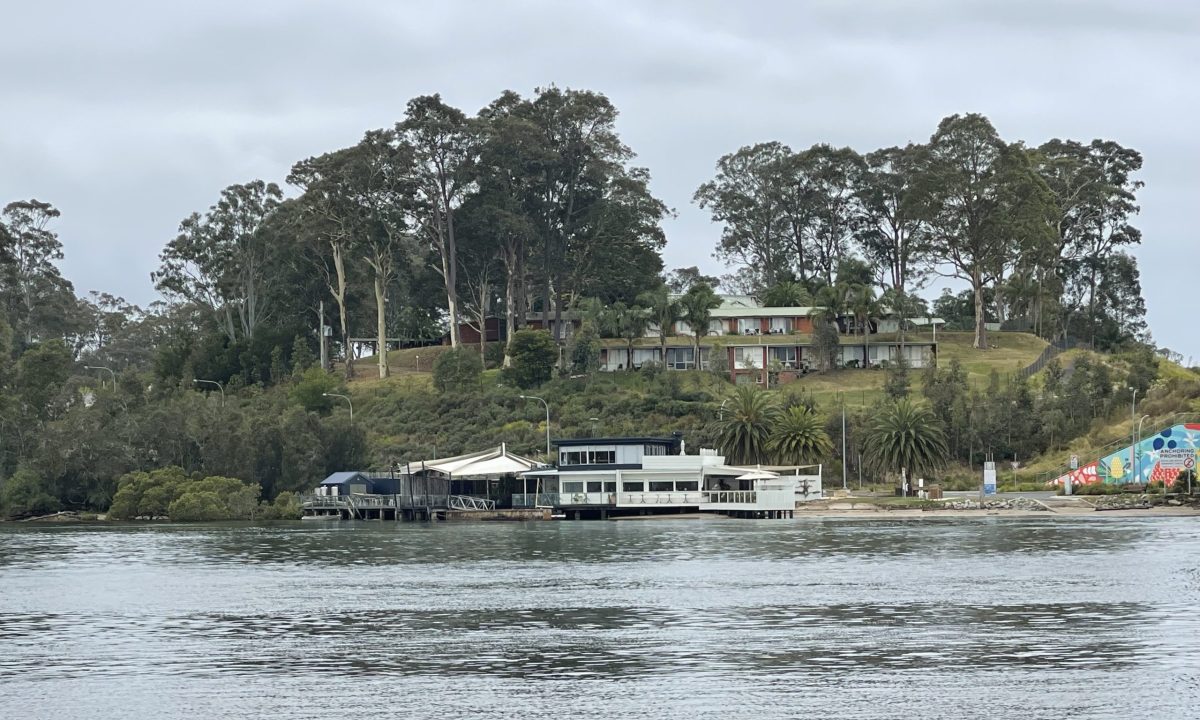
(407,418)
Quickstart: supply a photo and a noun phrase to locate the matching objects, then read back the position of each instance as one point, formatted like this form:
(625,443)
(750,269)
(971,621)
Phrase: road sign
(1177,458)
(1074,462)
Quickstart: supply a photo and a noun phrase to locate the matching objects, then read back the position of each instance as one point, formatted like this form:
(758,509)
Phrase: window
(785,355)
(602,457)
(610,486)
(594,486)
(573,457)
(747,357)
(661,486)
(634,486)
(681,358)
(653,450)
(641,356)
(572,487)
(687,485)
(749,326)
(781,324)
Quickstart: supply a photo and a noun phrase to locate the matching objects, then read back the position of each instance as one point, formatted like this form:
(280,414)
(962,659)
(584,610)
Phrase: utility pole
(844,486)
(321,338)
(1133,431)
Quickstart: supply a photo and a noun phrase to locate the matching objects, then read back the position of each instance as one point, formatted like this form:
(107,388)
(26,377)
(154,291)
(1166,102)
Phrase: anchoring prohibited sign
(1177,458)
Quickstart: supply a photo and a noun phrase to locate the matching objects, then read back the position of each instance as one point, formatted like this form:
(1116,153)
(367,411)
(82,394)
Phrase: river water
(941,618)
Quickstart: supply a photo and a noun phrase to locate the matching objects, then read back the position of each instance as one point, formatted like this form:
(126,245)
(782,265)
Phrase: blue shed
(352,482)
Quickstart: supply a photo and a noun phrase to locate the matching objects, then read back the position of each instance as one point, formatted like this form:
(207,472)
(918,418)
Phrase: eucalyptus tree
(744,431)
(440,146)
(40,302)
(223,261)
(906,438)
(333,225)
(982,203)
(891,232)
(511,145)
(680,280)
(1096,196)
(388,188)
(745,196)
(833,176)
(798,436)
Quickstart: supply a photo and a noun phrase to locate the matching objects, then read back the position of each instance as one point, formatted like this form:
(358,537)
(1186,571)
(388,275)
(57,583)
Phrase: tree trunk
(381,323)
(510,299)
(452,278)
(449,271)
(980,330)
(339,295)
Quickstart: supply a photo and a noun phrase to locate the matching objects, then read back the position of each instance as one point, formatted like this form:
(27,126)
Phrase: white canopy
(486,463)
(758,475)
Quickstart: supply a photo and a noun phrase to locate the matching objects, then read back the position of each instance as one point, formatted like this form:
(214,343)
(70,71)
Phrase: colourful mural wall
(1122,467)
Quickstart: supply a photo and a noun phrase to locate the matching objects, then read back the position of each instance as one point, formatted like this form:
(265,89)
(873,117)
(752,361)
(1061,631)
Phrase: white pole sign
(989,478)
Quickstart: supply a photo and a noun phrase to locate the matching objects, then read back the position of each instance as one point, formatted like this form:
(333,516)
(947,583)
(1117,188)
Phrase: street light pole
(844,485)
(721,410)
(594,421)
(1137,439)
(110,372)
(534,397)
(348,402)
(1133,430)
(219,387)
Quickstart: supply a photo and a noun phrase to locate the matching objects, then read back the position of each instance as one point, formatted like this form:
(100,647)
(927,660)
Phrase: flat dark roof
(568,442)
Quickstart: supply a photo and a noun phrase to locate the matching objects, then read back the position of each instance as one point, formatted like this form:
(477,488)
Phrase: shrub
(310,391)
(457,369)
(25,494)
(534,354)
(493,355)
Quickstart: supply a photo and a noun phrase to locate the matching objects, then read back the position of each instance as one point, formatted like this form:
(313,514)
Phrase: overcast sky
(130,115)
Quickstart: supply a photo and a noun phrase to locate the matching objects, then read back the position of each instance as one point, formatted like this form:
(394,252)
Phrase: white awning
(487,463)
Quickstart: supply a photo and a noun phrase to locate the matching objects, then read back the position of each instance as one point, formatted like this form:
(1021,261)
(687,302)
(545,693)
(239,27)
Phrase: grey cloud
(131,114)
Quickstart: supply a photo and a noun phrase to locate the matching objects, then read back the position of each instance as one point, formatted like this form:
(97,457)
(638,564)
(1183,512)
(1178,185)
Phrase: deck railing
(728,497)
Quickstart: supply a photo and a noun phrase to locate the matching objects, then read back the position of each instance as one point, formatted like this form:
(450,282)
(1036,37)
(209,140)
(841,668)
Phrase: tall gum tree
(334,224)
(971,185)
(763,216)
(890,232)
(222,260)
(444,146)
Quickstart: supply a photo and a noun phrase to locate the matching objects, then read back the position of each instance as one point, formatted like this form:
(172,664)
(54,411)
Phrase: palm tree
(628,322)
(907,438)
(664,312)
(744,432)
(787,293)
(799,437)
(696,308)
(863,304)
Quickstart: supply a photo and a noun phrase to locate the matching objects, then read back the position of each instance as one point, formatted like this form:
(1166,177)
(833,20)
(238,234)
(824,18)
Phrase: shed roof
(339,478)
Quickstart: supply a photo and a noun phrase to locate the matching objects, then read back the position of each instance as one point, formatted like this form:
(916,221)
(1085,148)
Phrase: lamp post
(348,402)
(1137,439)
(721,410)
(594,421)
(213,382)
(417,362)
(110,372)
(534,397)
(1133,429)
